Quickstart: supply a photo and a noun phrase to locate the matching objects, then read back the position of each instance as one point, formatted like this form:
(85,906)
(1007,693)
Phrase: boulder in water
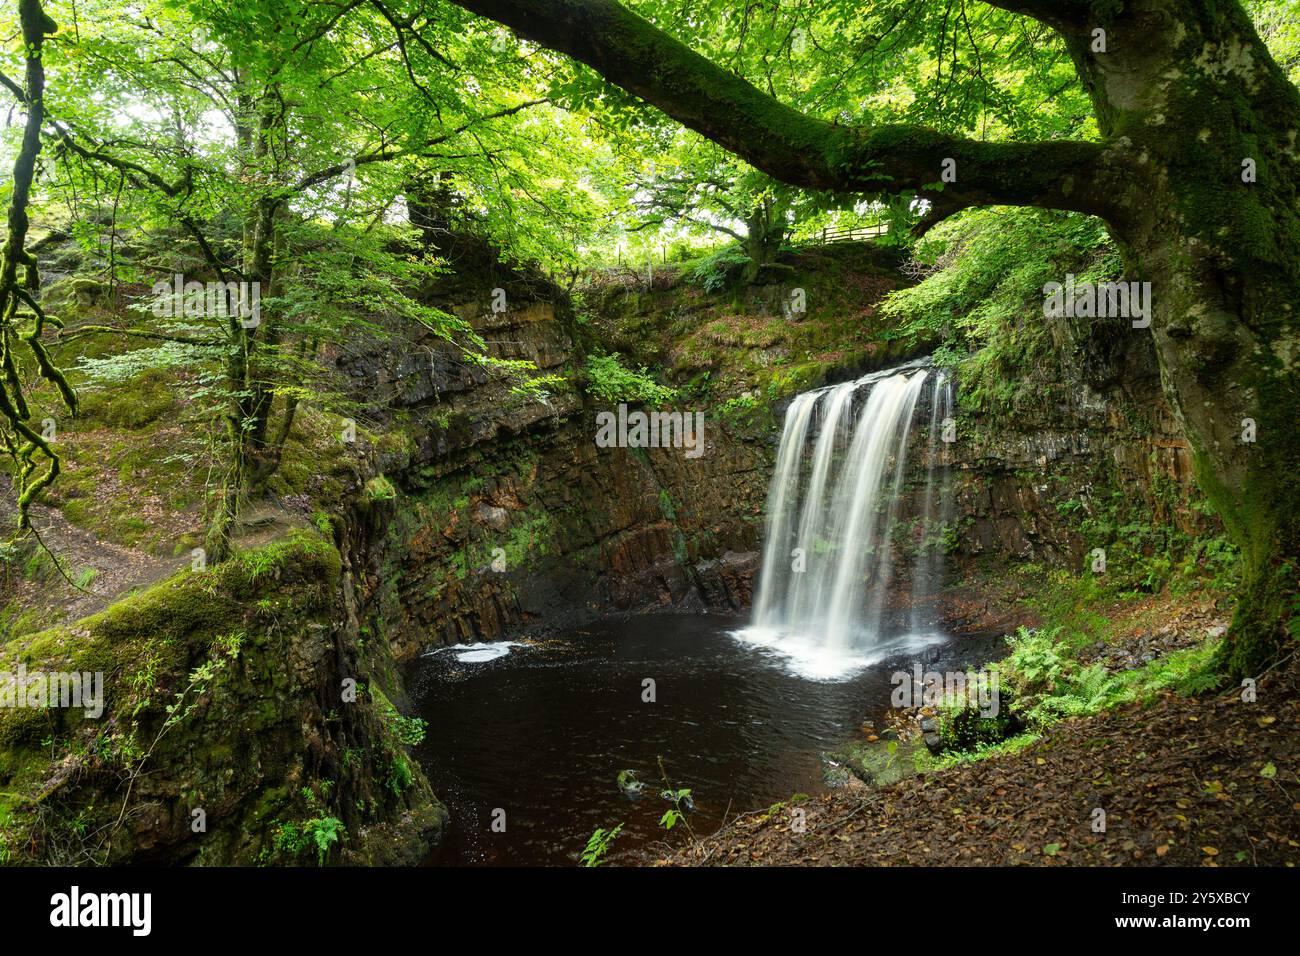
(629,784)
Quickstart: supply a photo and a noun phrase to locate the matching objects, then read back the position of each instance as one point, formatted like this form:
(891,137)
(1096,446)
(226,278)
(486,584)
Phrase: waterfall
(935,516)
(832,508)
(784,481)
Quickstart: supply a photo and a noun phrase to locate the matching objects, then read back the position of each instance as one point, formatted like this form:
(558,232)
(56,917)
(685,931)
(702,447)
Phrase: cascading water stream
(784,488)
(935,516)
(832,508)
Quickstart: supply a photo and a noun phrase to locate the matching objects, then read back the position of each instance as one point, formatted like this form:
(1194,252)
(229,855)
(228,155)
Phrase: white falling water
(834,498)
(935,516)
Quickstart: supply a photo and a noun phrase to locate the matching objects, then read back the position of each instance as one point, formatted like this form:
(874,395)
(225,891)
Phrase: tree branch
(13,88)
(139,176)
(795,148)
(143,334)
(385,155)
(1067,16)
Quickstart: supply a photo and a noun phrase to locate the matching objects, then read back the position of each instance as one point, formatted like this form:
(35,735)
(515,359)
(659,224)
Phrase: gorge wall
(585,531)
(487,478)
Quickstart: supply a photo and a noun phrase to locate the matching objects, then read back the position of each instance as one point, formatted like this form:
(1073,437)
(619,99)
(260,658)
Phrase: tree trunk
(764,233)
(248,417)
(1204,175)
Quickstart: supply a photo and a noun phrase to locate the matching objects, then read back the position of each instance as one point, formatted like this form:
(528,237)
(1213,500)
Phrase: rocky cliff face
(510,517)
(1089,441)
(1014,485)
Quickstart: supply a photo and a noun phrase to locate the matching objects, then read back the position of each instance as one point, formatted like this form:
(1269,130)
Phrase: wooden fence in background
(842,234)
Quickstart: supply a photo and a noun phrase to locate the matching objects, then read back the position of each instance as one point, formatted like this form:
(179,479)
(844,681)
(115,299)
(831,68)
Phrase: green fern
(598,845)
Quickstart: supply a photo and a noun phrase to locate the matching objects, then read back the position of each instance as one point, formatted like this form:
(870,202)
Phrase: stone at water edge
(629,784)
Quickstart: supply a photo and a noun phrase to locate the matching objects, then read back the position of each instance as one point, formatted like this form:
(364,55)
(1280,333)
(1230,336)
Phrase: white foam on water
(809,657)
(477,653)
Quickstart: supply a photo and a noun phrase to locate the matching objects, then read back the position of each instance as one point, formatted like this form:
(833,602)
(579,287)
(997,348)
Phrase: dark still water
(542,730)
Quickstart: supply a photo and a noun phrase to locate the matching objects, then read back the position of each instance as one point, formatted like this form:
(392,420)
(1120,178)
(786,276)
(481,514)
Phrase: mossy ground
(138,471)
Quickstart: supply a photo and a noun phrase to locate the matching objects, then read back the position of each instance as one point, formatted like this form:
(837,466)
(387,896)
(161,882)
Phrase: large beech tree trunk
(1188,100)
(1195,109)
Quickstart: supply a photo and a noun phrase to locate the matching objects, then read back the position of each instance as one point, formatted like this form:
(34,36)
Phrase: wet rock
(629,784)
(933,743)
(728,582)
(495,518)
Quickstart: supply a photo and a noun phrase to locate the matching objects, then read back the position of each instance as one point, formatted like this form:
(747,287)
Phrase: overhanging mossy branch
(793,147)
(1068,16)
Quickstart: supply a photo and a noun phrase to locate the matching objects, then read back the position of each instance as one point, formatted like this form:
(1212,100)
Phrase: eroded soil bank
(1183,781)
(1180,779)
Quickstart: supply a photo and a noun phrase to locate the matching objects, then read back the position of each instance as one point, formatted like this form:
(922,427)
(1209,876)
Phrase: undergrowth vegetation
(979,302)
(1059,669)
(610,381)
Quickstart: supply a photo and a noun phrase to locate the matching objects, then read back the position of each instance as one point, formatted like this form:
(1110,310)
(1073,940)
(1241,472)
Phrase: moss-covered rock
(239,726)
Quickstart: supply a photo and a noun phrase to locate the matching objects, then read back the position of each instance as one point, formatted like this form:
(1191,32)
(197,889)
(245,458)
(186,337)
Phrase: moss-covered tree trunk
(1196,174)
(22,320)
(1204,172)
(765,228)
(248,381)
